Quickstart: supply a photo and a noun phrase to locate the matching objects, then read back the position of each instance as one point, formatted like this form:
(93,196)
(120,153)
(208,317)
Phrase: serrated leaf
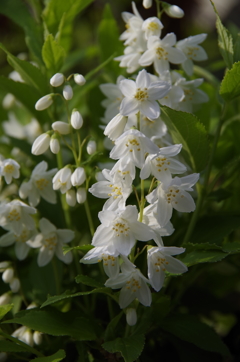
(111,328)
(4,309)
(233,247)
(84,279)
(185,128)
(190,329)
(237,48)
(230,86)
(202,253)
(53,54)
(53,322)
(56,357)
(130,347)
(8,346)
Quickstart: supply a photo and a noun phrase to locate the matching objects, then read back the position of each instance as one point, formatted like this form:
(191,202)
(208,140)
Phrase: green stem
(79,147)
(55,272)
(143,200)
(89,217)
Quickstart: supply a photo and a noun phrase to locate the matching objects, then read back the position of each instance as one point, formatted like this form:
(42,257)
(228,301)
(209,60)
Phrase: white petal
(21,250)
(127,87)
(45,256)
(46,226)
(65,235)
(175,266)
(129,106)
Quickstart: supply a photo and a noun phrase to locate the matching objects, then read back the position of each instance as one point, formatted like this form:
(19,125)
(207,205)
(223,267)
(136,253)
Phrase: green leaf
(230,86)
(4,309)
(53,54)
(112,327)
(233,247)
(190,329)
(237,48)
(130,347)
(29,73)
(56,357)
(7,346)
(202,253)
(84,279)
(84,248)
(53,322)
(185,128)
(18,12)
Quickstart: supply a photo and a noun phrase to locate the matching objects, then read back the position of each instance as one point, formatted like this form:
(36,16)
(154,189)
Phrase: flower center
(41,183)
(23,237)
(161,53)
(116,191)
(9,168)
(191,52)
(51,242)
(153,26)
(108,259)
(172,193)
(133,143)
(189,93)
(160,264)
(133,285)
(121,228)
(141,94)
(161,164)
(14,215)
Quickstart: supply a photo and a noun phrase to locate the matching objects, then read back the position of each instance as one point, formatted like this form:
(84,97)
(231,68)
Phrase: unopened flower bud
(79,79)
(78,177)
(174,11)
(147,4)
(54,145)
(8,275)
(8,101)
(71,197)
(37,338)
(44,102)
(91,147)
(67,92)
(28,337)
(4,264)
(15,285)
(81,195)
(57,80)
(131,316)
(76,119)
(61,127)
(5,299)
(41,144)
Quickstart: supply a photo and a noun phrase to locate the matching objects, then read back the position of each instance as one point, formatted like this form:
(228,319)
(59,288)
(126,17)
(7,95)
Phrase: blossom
(44,102)
(81,195)
(9,169)
(160,52)
(57,80)
(132,54)
(24,334)
(91,147)
(125,170)
(121,229)
(15,215)
(146,4)
(67,92)
(61,127)
(39,185)
(192,50)
(79,79)
(41,144)
(160,260)
(173,195)
(78,177)
(54,145)
(50,241)
(62,180)
(76,119)
(133,26)
(115,127)
(141,96)
(71,198)
(152,26)
(133,284)
(174,11)
(113,100)
(131,316)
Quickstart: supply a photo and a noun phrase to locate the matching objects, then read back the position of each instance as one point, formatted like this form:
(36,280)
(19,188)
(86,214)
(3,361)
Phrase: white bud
(37,337)
(91,147)
(54,145)
(41,144)
(76,119)
(8,275)
(131,316)
(44,102)
(57,80)
(8,101)
(174,11)
(4,264)
(67,92)
(15,285)
(61,127)
(78,177)
(3,356)
(81,195)
(28,338)
(79,79)
(32,305)
(147,4)
(5,299)
(71,197)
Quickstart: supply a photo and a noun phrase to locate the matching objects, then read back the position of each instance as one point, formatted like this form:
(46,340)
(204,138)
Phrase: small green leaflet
(130,347)
(56,357)
(230,86)
(53,54)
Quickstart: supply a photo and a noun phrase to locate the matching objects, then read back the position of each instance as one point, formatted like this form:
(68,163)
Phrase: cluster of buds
(9,277)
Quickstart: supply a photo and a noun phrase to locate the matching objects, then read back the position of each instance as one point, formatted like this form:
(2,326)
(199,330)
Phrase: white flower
(162,165)
(108,255)
(15,215)
(115,127)
(133,26)
(133,284)
(160,260)
(192,50)
(132,145)
(146,4)
(9,169)
(81,195)
(8,275)
(115,190)
(121,229)
(71,198)
(76,119)
(39,185)
(79,79)
(44,102)
(141,96)
(8,101)
(41,144)
(24,334)
(174,11)
(54,145)
(57,80)
(78,177)
(15,285)
(125,170)
(114,98)
(37,338)
(61,127)
(152,26)
(67,92)
(21,248)
(5,299)
(173,195)
(131,316)
(160,52)
(50,241)
(62,180)
(132,54)
(91,147)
